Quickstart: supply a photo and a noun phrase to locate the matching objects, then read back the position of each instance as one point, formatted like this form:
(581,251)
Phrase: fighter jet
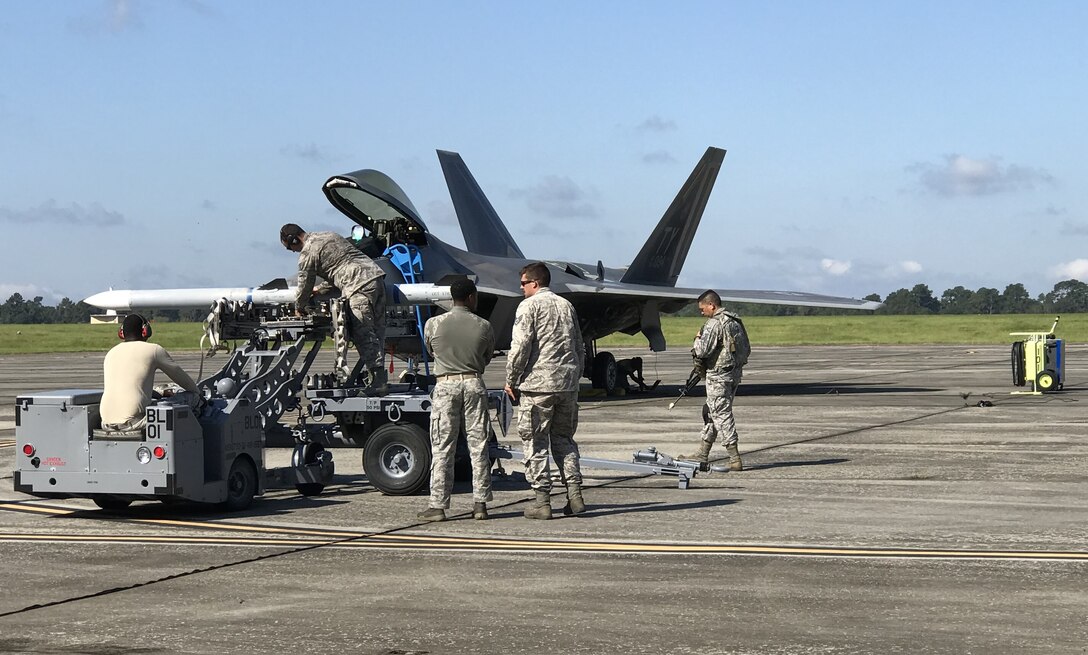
(607,300)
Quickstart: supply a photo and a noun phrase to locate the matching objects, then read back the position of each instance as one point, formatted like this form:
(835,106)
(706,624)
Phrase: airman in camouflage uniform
(333,258)
(462,344)
(543,370)
(716,346)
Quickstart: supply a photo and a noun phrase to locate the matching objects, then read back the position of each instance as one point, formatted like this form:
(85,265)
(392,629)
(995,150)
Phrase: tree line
(1067,297)
(22,311)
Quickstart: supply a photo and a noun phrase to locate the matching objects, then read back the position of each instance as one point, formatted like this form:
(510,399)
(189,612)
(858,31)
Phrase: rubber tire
(407,438)
(306,453)
(1018,364)
(605,373)
(112,503)
(241,485)
(1046,381)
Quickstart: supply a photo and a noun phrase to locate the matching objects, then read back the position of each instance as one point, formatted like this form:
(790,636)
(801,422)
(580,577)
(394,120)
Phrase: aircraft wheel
(241,485)
(397,459)
(605,372)
(112,503)
(1046,381)
(306,453)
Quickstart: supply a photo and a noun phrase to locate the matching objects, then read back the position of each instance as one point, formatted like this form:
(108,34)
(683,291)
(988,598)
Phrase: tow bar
(648,461)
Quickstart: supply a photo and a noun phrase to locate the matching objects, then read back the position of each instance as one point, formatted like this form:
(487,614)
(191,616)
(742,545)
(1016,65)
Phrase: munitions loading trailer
(394,430)
(1038,361)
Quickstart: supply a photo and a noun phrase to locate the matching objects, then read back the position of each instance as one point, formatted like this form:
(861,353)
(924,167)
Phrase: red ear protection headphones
(145,329)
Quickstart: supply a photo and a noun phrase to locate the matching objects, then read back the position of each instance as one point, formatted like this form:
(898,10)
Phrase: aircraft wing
(728,295)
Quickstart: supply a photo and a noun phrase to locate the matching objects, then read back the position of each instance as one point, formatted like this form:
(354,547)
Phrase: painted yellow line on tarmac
(439,542)
(680,549)
(152,539)
(211,525)
(431,543)
(37,509)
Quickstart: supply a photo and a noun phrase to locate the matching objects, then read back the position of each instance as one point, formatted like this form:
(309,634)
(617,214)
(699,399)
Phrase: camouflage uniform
(333,258)
(462,344)
(723,375)
(545,365)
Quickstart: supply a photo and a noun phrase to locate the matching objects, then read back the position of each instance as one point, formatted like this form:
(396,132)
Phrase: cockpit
(380,208)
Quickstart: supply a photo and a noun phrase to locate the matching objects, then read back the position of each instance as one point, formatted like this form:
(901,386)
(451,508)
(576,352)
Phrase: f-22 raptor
(607,300)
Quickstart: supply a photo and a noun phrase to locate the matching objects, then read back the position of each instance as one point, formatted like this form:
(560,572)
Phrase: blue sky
(871,145)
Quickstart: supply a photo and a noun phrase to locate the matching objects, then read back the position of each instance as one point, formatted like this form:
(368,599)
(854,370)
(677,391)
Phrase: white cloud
(656,124)
(28,292)
(1076,269)
(114,16)
(310,152)
(658,157)
(1070,228)
(960,175)
(834,266)
(441,212)
(74,214)
(901,268)
(558,197)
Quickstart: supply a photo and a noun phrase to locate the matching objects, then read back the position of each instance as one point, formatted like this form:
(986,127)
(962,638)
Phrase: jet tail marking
(662,256)
(484,231)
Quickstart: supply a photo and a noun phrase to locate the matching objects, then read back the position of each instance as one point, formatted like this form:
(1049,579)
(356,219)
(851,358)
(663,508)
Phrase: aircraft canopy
(369,196)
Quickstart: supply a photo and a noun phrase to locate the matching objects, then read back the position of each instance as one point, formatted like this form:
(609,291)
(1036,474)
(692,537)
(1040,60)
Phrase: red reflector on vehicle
(159,452)
(28,450)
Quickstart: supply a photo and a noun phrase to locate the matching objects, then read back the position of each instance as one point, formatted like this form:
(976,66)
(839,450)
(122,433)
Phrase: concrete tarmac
(882,510)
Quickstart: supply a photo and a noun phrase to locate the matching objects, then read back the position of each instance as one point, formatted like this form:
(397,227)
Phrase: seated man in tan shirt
(129,372)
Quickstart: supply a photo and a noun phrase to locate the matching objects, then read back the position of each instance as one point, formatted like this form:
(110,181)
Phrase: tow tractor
(206,449)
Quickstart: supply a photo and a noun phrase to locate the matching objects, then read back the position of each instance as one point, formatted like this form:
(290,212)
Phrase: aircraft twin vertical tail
(661,258)
(482,228)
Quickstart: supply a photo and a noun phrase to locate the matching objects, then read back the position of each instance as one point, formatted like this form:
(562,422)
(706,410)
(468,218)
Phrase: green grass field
(763,330)
(871,329)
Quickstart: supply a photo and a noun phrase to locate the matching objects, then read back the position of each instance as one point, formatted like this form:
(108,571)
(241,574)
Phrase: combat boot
(379,382)
(575,504)
(479,511)
(734,458)
(702,457)
(432,514)
(541,507)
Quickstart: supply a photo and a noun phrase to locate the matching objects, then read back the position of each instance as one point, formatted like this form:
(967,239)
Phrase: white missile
(131,299)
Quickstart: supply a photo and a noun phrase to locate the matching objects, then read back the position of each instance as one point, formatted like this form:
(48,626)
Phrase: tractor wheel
(241,485)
